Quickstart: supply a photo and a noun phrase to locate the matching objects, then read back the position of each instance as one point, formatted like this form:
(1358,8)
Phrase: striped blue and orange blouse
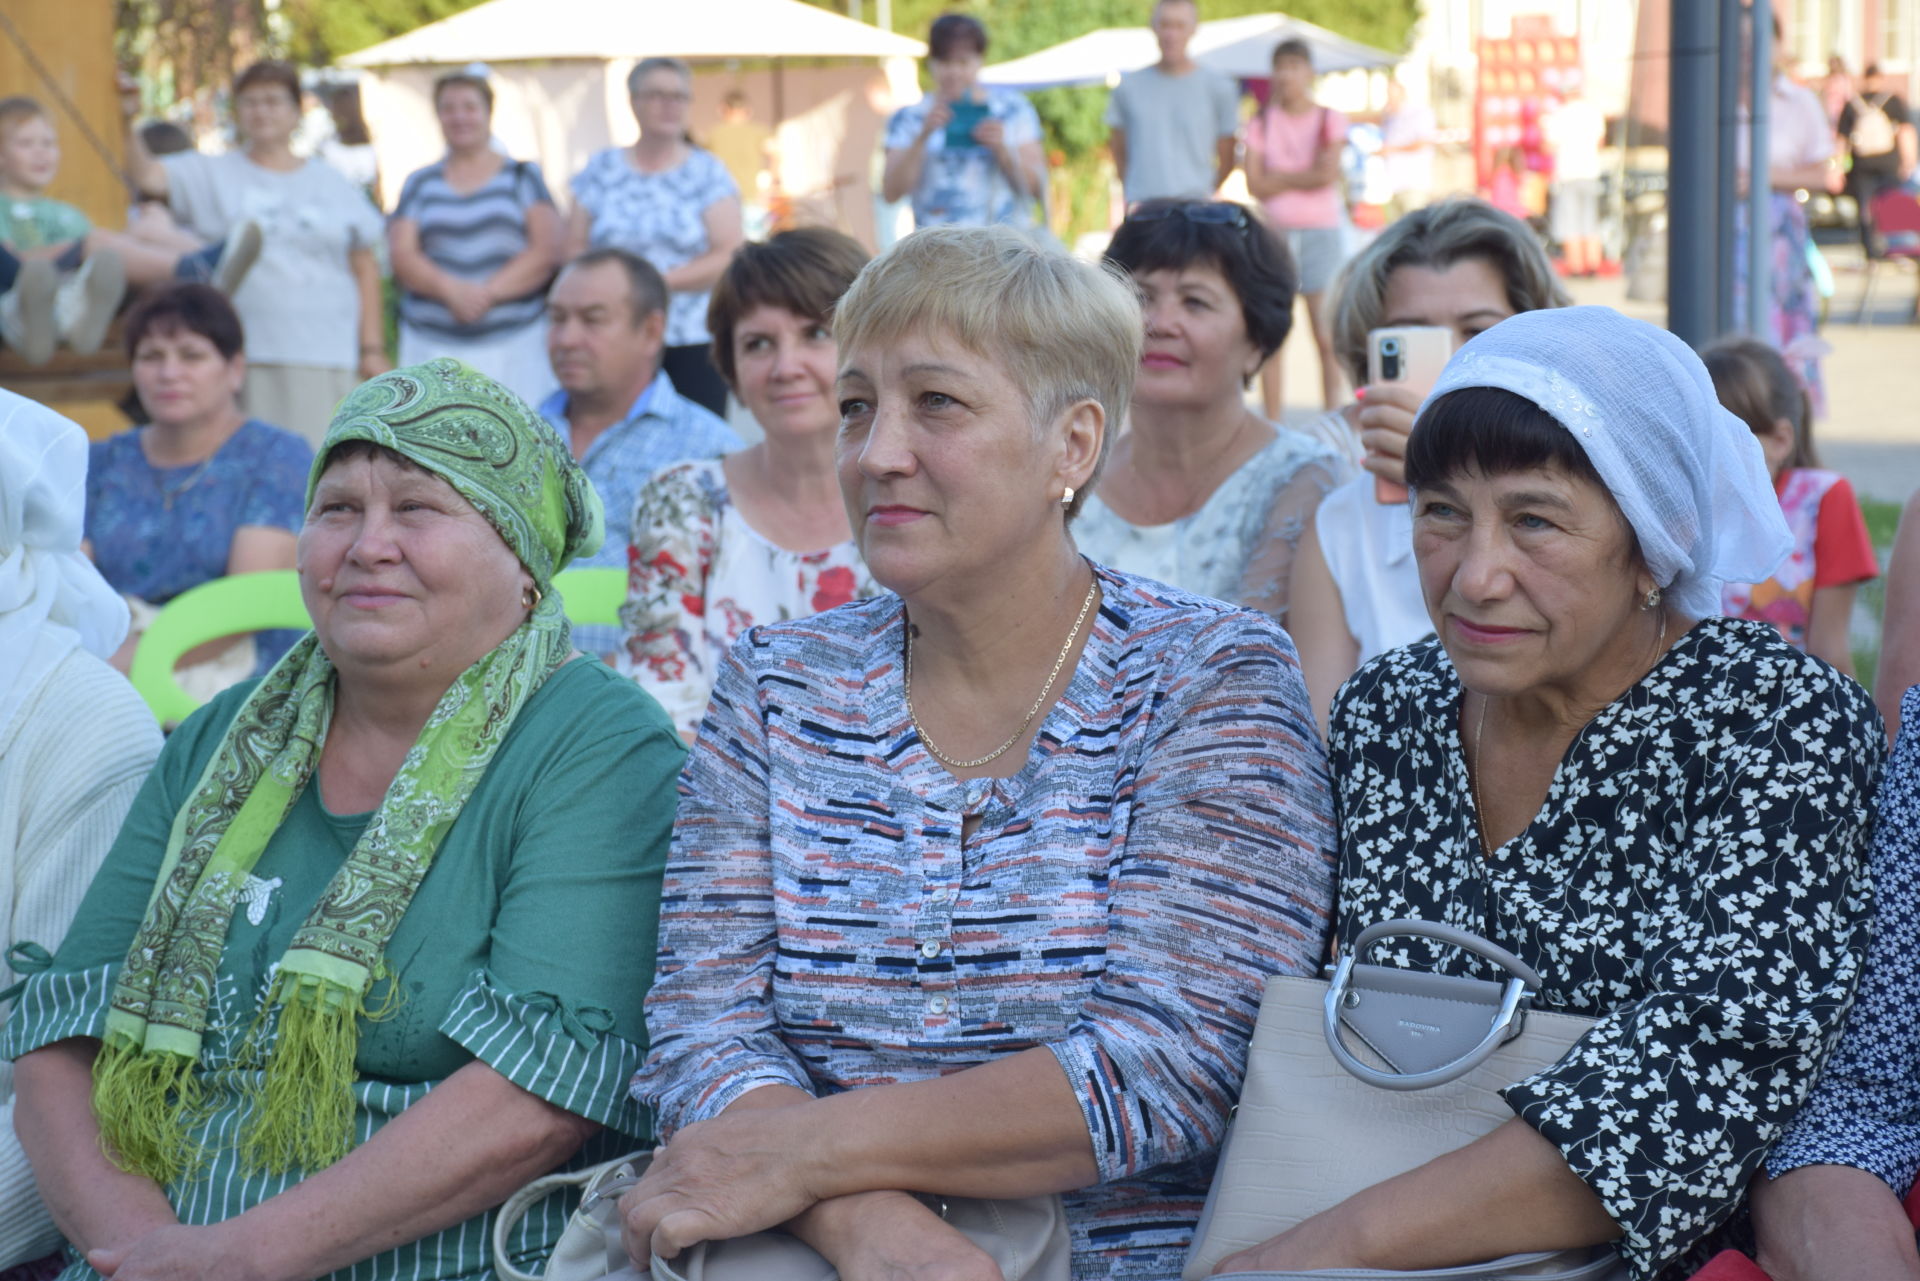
(1166,847)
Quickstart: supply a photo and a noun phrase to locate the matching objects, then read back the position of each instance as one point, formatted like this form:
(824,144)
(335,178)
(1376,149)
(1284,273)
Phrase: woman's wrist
(835,1228)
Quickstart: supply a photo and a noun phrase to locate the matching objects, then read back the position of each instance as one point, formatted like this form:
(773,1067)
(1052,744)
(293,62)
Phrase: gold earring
(1066,499)
(1652,599)
(531,598)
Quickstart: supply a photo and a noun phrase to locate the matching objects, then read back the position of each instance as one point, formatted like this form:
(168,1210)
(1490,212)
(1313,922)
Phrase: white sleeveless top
(1369,551)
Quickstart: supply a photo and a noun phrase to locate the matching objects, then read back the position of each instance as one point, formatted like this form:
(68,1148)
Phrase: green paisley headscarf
(510,464)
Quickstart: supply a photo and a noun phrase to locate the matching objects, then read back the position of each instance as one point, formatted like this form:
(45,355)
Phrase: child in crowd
(61,278)
(1810,597)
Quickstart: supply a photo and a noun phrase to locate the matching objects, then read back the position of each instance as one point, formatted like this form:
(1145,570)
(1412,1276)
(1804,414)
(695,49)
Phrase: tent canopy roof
(533,30)
(1238,47)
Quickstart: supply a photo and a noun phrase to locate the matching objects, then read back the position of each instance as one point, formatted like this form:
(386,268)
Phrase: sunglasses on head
(1214,213)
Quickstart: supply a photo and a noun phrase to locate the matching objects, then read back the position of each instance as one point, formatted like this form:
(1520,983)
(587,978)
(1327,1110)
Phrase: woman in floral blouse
(759,536)
(1663,811)
(1025,960)
(1830,1210)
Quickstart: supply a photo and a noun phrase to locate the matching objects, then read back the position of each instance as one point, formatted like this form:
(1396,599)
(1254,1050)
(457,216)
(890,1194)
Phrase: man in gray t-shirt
(1173,123)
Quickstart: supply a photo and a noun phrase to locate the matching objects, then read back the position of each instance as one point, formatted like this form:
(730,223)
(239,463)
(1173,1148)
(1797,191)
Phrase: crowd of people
(973,746)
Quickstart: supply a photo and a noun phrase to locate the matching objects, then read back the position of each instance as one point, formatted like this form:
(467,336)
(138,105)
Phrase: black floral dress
(1696,880)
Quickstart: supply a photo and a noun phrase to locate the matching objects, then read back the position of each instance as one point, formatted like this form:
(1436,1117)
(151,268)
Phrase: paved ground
(1872,431)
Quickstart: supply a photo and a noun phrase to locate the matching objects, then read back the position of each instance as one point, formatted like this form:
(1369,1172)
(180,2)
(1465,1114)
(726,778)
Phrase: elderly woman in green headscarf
(369,952)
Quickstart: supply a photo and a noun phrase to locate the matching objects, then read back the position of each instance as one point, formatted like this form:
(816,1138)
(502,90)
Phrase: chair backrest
(256,602)
(1896,211)
(222,607)
(592,595)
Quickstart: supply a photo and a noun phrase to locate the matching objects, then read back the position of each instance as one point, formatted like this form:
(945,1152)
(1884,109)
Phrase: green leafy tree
(318,31)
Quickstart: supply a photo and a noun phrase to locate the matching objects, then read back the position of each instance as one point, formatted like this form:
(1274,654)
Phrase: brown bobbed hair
(187,306)
(1754,383)
(804,270)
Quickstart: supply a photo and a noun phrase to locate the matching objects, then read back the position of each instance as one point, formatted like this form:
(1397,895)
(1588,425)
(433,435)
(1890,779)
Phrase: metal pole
(1759,189)
(1726,173)
(1692,287)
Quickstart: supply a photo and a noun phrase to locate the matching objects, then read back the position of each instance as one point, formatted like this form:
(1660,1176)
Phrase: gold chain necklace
(1480,732)
(1093,590)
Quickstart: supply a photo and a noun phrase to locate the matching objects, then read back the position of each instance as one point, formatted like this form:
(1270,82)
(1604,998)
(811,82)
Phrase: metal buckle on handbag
(610,1189)
(1425,1028)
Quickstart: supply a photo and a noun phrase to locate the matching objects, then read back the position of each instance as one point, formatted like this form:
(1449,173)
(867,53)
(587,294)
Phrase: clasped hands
(754,1169)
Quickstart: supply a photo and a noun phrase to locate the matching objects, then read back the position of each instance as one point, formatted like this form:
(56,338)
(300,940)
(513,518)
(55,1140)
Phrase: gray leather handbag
(1353,1080)
(1026,1236)
(589,1248)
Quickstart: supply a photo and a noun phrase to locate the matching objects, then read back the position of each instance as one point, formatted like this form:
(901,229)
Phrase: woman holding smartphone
(968,154)
(1460,265)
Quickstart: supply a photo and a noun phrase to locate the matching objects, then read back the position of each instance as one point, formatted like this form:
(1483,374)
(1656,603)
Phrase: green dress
(530,946)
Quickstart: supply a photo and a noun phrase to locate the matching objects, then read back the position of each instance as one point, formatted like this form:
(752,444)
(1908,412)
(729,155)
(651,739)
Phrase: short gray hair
(1065,329)
(1437,237)
(647,66)
(646,287)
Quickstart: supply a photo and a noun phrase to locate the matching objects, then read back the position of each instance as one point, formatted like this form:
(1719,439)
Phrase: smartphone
(1413,356)
(967,114)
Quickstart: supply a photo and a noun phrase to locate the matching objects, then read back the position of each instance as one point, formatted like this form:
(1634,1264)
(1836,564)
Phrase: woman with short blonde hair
(1072,820)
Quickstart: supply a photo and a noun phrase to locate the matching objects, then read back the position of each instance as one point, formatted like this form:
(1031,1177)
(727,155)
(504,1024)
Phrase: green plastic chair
(220,607)
(592,596)
(256,602)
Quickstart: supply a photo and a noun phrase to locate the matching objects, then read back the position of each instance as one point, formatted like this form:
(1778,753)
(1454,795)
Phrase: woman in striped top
(1026,960)
(475,239)
(311,1017)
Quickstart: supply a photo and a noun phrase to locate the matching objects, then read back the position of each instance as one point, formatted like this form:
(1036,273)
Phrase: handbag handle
(600,1182)
(1523,981)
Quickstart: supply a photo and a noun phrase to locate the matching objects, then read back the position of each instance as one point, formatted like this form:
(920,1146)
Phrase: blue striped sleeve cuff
(57,1006)
(1100,1106)
(561,1051)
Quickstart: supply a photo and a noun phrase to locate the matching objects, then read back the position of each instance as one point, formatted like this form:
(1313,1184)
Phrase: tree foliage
(1073,117)
(318,31)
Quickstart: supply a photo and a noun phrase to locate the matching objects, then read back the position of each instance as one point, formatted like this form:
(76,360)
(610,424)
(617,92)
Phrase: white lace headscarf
(1688,475)
(51,597)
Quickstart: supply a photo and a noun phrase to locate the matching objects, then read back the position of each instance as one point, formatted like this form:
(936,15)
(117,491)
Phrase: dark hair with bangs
(951,32)
(1494,432)
(804,270)
(190,307)
(270,71)
(1158,236)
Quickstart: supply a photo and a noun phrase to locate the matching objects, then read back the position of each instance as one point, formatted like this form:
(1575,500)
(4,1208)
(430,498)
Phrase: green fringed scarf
(509,463)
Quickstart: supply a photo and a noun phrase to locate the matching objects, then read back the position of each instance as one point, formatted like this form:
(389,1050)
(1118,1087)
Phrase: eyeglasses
(664,95)
(1213,213)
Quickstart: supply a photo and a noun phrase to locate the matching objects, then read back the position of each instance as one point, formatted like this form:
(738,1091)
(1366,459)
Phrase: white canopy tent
(559,68)
(1238,47)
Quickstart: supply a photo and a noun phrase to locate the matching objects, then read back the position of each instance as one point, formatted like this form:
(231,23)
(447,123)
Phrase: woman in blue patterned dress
(200,491)
(673,204)
(968,153)
(975,886)
(1830,1209)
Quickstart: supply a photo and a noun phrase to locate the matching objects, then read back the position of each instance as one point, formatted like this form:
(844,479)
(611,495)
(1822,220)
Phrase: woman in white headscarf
(1663,811)
(75,740)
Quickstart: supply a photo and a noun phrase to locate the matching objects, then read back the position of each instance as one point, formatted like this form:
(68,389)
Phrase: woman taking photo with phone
(1461,265)
(1202,492)
(968,154)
